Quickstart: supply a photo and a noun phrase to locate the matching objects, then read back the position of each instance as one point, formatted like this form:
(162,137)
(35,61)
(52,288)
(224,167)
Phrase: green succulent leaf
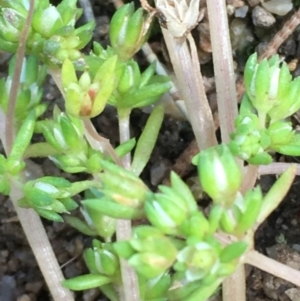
(233,251)
(115,210)
(85,282)
(79,225)
(147,140)
(49,214)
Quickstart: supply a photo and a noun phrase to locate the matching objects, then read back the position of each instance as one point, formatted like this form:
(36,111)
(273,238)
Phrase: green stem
(30,221)
(124,131)
(130,290)
(9,121)
(262,120)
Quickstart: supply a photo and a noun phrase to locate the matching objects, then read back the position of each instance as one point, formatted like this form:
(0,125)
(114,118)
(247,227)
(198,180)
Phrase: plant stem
(95,140)
(130,289)
(187,70)
(9,126)
(30,221)
(281,35)
(234,287)
(230,289)
(276,168)
(273,267)
(40,245)
(35,232)
(98,142)
(124,131)
(250,174)
(223,67)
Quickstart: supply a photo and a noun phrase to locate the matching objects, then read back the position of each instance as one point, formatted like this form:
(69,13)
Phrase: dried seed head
(181,15)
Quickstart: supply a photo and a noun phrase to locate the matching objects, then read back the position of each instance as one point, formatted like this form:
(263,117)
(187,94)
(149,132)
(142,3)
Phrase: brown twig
(287,29)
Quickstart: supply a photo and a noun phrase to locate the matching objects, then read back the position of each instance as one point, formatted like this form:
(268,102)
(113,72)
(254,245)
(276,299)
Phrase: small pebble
(4,254)
(241,12)
(90,295)
(34,287)
(278,7)
(24,298)
(294,222)
(296,247)
(159,171)
(230,10)
(288,48)
(240,34)
(7,288)
(293,294)
(262,17)
(254,2)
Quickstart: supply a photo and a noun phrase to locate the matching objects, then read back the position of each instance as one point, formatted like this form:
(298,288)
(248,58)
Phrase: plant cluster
(263,124)
(183,253)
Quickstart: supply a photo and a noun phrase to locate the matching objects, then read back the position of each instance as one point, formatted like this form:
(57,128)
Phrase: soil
(278,237)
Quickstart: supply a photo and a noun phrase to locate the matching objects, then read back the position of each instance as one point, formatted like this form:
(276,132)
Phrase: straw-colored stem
(230,290)
(234,287)
(187,70)
(223,67)
(276,168)
(273,267)
(34,230)
(40,245)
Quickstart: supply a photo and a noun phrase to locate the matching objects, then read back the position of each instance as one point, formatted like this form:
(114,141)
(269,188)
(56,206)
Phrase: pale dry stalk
(35,232)
(180,17)
(234,287)
(223,66)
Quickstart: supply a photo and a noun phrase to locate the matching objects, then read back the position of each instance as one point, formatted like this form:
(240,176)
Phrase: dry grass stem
(223,66)
(192,89)
(276,168)
(273,267)
(35,232)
